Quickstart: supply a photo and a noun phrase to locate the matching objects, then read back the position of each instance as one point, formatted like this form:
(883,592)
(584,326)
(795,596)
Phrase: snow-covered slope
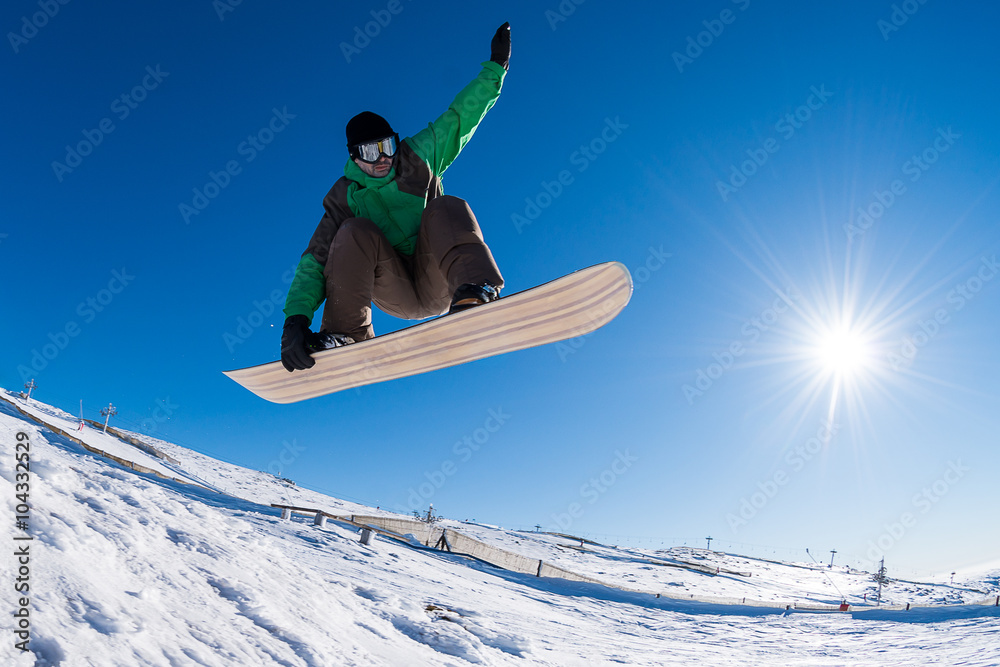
(721,577)
(135,569)
(95,439)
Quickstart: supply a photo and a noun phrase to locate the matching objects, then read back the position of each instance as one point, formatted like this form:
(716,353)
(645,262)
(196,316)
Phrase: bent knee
(357,235)
(358,227)
(446,203)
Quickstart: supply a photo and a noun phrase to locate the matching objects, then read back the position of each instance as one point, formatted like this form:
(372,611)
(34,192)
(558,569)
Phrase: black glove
(500,46)
(294,354)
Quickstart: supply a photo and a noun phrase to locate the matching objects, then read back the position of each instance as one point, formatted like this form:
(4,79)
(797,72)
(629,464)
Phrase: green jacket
(396,201)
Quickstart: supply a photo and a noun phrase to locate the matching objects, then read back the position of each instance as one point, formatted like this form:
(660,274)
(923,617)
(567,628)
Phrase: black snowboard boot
(470,295)
(325,340)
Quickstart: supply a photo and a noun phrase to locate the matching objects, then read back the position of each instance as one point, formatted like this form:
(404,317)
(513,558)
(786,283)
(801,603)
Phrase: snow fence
(417,531)
(459,543)
(135,442)
(94,450)
(428,535)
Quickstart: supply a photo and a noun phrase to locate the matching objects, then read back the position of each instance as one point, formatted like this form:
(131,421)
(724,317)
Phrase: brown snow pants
(363,267)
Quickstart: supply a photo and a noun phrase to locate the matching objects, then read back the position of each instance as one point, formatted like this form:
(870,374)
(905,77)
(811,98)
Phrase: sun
(843,352)
(842,358)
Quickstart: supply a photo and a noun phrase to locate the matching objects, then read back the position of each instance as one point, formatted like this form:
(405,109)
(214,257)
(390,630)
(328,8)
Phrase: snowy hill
(157,566)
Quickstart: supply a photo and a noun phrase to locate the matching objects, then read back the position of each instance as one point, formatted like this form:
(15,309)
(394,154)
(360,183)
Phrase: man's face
(377,169)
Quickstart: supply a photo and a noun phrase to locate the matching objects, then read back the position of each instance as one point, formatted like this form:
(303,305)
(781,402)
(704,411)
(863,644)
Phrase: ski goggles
(371,151)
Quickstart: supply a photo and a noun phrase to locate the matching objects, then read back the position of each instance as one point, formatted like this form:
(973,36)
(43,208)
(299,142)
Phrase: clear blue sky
(745,138)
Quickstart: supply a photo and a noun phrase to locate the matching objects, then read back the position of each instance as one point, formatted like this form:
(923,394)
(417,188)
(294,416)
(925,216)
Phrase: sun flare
(843,352)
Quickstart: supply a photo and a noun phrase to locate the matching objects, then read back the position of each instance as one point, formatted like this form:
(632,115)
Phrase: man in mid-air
(390,235)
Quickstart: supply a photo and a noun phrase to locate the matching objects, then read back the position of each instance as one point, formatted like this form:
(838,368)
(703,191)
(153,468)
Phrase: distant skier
(389,235)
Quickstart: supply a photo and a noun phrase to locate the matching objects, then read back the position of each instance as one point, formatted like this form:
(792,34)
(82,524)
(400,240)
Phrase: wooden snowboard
(567,307)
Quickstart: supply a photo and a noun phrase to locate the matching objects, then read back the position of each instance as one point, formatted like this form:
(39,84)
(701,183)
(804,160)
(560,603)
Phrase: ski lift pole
(881,580)
(107,412)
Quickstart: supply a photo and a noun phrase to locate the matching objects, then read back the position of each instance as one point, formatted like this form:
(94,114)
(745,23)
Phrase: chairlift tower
(106,413)
(881,578)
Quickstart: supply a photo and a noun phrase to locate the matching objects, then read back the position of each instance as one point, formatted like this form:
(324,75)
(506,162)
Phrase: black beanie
(367,126)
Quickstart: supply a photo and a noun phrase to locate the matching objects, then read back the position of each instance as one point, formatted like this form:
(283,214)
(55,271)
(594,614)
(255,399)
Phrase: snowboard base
(564,308)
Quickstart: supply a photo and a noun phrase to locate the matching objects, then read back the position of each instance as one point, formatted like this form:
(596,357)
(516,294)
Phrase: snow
(91,437)
(131,568)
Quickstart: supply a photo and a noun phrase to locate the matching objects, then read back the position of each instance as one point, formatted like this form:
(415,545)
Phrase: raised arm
(441,141)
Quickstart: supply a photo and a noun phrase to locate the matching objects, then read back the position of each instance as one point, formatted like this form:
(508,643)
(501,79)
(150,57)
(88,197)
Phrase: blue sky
(770,172)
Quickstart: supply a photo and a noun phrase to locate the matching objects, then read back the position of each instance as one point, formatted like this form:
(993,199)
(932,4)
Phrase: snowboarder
(389,235)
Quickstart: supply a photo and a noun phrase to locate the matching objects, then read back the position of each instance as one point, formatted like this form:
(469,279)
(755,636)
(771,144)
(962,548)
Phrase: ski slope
(132,568)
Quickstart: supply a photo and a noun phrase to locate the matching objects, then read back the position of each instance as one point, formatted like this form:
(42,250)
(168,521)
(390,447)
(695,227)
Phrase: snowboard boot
(470,295)
(325,340)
